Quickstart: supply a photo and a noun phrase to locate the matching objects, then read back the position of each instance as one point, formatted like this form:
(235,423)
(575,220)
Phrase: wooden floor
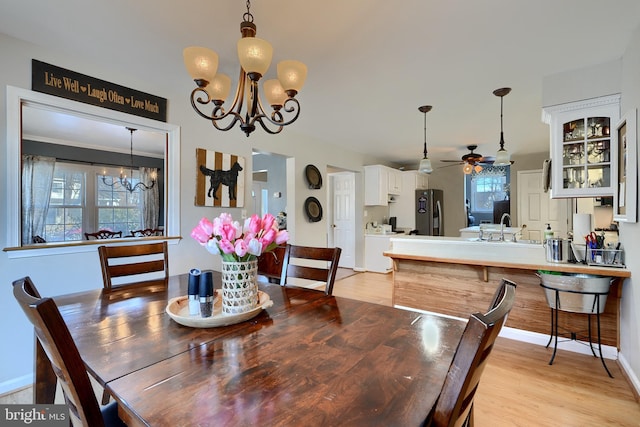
(520,388)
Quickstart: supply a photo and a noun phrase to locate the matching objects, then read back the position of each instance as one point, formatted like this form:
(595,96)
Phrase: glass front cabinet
(583,147)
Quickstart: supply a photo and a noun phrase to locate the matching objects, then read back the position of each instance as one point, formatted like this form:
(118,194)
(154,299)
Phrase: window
(117,208)
(82,202)
(484,188)
(65,215)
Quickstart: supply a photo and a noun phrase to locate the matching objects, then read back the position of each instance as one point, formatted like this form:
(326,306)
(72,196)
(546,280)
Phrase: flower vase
(239,286)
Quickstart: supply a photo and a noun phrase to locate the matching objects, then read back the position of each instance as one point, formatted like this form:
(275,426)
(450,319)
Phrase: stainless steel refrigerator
(429,212)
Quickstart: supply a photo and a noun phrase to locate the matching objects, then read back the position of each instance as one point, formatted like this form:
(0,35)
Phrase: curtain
(37,180)
(150,199)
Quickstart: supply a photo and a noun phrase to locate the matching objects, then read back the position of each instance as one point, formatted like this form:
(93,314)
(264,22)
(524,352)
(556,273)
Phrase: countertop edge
(559,267)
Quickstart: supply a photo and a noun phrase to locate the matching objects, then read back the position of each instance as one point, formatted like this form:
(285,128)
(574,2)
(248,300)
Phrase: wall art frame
(220,179)
(625,197)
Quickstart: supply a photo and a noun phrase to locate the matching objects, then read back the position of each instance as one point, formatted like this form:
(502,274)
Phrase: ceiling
(371,63)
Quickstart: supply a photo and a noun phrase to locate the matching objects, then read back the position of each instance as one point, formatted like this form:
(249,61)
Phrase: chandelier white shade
(255,56)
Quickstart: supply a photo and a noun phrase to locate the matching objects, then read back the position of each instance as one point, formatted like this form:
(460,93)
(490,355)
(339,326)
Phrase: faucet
(504,215)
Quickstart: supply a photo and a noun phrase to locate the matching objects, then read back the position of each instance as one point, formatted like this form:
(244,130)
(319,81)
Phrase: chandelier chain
(248,17)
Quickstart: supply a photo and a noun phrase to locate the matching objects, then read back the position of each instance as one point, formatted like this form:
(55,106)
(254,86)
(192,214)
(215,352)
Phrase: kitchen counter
(459,250)
(458,276)
(375,244)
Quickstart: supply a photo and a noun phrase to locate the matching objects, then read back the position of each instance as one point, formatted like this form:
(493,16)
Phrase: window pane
(66,204)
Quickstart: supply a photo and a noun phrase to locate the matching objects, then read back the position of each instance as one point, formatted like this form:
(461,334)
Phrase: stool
(595,308)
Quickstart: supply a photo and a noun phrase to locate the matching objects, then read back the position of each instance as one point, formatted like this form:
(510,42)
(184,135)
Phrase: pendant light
(425,164)
(503,158)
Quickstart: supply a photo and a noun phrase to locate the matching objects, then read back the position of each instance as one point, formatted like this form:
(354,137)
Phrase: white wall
(61,274)
(630,233)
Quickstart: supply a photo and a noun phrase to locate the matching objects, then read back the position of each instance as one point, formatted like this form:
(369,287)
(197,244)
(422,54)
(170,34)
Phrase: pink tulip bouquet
(224,236)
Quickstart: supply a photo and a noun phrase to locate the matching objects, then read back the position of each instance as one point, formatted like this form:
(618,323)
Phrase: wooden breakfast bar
(450,275)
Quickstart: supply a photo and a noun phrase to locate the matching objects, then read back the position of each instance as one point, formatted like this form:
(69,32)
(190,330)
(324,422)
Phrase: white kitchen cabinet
(379,182)
(376,183)
(415,180)
(404,207)
(394,181)
(583,146)
(374,246)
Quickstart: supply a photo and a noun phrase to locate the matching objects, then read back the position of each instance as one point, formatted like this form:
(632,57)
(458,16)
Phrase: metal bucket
(555,250)
(576,292)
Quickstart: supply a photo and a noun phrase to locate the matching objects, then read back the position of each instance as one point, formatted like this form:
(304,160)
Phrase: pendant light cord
(425,135)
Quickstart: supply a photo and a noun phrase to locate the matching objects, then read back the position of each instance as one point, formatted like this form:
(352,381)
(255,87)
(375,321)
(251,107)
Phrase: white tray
(178,310)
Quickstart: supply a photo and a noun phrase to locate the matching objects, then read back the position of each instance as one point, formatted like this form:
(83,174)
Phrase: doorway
(269,184)
(342,219)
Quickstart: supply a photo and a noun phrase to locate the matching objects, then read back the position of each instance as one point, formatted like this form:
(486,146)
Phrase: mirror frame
(16,97)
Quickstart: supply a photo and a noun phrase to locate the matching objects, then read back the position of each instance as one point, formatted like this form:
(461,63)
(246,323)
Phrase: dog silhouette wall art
(216,171)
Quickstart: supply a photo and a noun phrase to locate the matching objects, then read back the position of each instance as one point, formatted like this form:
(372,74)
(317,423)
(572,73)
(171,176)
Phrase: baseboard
(631,376)
(582,347)
(359,269)
(15,384)
(608,352)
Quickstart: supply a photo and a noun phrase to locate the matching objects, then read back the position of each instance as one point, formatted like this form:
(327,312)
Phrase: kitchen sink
(522,241)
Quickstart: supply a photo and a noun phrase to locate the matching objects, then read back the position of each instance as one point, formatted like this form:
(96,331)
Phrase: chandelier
(127,183)
(425,163)
(503,158)
(255,57)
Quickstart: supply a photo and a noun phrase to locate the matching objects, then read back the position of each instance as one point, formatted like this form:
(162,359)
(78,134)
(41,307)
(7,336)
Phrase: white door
(344,216)
(257,190)
(536,208)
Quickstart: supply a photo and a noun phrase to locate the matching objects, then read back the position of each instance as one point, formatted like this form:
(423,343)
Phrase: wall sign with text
(68,84)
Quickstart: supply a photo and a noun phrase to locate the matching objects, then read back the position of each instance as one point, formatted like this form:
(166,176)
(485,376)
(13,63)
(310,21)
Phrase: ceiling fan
(472,160)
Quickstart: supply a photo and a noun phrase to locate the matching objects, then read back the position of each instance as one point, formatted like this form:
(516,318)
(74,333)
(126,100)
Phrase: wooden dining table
(310,359)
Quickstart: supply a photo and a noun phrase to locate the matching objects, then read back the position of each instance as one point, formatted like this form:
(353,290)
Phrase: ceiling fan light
(201,63)
(503,158)
(425,166)
(477,168)
(467,169)
(255,55)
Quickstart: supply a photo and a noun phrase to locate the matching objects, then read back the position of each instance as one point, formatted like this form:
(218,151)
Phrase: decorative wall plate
(314,178)
(313,209)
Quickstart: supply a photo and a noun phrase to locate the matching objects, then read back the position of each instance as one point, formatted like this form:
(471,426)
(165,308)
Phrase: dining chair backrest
(455,403)
(55,338)
(147,232)
(134,266)
(270,264)
(312,264)
(103,234)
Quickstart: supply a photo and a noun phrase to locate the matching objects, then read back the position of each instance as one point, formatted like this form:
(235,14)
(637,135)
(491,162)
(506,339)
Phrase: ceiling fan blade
(449,165)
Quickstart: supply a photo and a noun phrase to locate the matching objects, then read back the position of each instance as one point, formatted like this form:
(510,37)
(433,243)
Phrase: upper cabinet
(583,146)
(395,181)
(417,180)
(379,182)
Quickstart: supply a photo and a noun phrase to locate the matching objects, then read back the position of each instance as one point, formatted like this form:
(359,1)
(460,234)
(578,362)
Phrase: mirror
(97,141)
